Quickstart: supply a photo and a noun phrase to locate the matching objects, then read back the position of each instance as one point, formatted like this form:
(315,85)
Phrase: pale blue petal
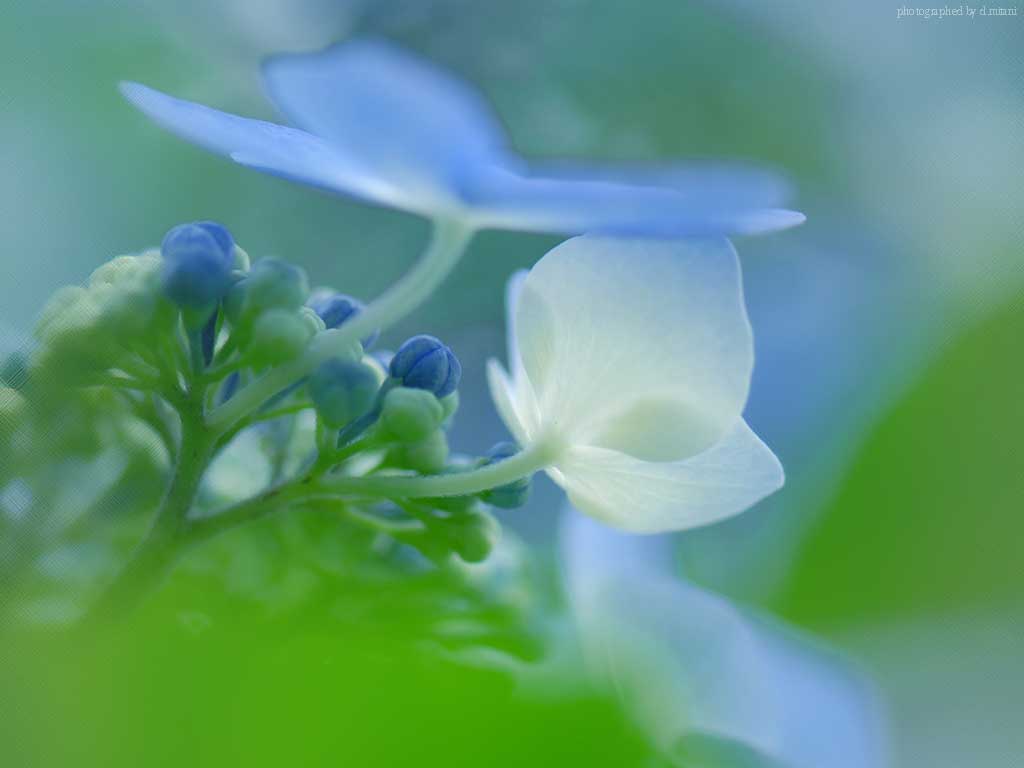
(692,667)
(506,199)
(275,149)
(406,119)
(705,184)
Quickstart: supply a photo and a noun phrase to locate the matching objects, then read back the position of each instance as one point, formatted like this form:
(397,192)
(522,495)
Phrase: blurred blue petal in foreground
(380,125)
(707,679)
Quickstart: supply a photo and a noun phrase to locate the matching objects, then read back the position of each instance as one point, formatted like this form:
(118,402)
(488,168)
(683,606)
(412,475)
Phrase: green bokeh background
(905,141)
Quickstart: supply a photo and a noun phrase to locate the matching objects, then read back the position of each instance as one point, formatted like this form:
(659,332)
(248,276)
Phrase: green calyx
(410,415)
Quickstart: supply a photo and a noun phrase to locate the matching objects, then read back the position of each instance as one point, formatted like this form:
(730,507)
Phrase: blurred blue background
(888,327)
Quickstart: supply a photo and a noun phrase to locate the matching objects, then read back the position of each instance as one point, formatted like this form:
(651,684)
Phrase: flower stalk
(448,243)
(159,550)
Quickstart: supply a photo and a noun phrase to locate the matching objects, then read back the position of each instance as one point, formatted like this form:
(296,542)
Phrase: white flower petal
(650,497)
(640,346)
(504,397)
(694,669)
(407,119)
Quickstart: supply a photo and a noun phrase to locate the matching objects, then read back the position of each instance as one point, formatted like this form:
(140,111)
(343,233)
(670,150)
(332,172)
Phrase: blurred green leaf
(930,516)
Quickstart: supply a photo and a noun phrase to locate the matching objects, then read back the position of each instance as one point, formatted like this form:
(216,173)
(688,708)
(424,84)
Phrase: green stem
(447,244)
(157,553)
(534,458)
(253,508)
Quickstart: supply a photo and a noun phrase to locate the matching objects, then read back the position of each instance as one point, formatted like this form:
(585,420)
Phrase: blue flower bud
(424,362)
(197,261)
(342,391)
(275,284)
(510,495)
(336,308)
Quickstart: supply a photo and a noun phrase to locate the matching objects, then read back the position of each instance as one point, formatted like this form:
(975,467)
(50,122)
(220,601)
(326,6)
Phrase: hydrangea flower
(633,358)
(711,683)
(378,124)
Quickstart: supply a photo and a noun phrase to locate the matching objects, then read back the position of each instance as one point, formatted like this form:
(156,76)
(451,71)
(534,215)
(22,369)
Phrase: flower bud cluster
(266,310)
(90,328)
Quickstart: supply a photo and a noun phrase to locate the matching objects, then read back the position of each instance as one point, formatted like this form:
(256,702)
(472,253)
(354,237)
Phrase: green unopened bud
(278,335)
(450,404)
(240,260)
(71,311)
(313,320)
(130,311)
(275,284)
(342,391)
(410,415)
(234,302)
(128,270)
(474,535)
(379,370)
(511,495)
(427,456)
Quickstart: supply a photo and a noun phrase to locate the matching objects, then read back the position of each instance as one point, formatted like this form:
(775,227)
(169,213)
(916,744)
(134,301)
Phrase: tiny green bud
(240,260)
(144,268)
(278,335)
(475,535)
(276,284)
(511,495)
(234,302)
(342,391)
(427,456)
(450,404)
(313,320)
(410,415)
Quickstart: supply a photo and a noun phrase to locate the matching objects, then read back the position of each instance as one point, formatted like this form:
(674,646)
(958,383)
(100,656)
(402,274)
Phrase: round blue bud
(424,362)
(342,391)
(336,308)
(220,233)
(451,383)
(197,261)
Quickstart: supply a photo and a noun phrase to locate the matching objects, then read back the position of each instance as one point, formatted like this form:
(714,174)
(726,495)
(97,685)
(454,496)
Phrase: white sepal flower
(634,358)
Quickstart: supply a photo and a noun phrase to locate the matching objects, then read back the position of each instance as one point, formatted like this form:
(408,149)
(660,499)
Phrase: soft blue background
(885,367)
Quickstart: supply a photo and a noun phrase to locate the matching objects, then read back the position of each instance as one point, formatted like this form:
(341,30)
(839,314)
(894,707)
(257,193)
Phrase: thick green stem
(534,458)
(447,244)
(156,554)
